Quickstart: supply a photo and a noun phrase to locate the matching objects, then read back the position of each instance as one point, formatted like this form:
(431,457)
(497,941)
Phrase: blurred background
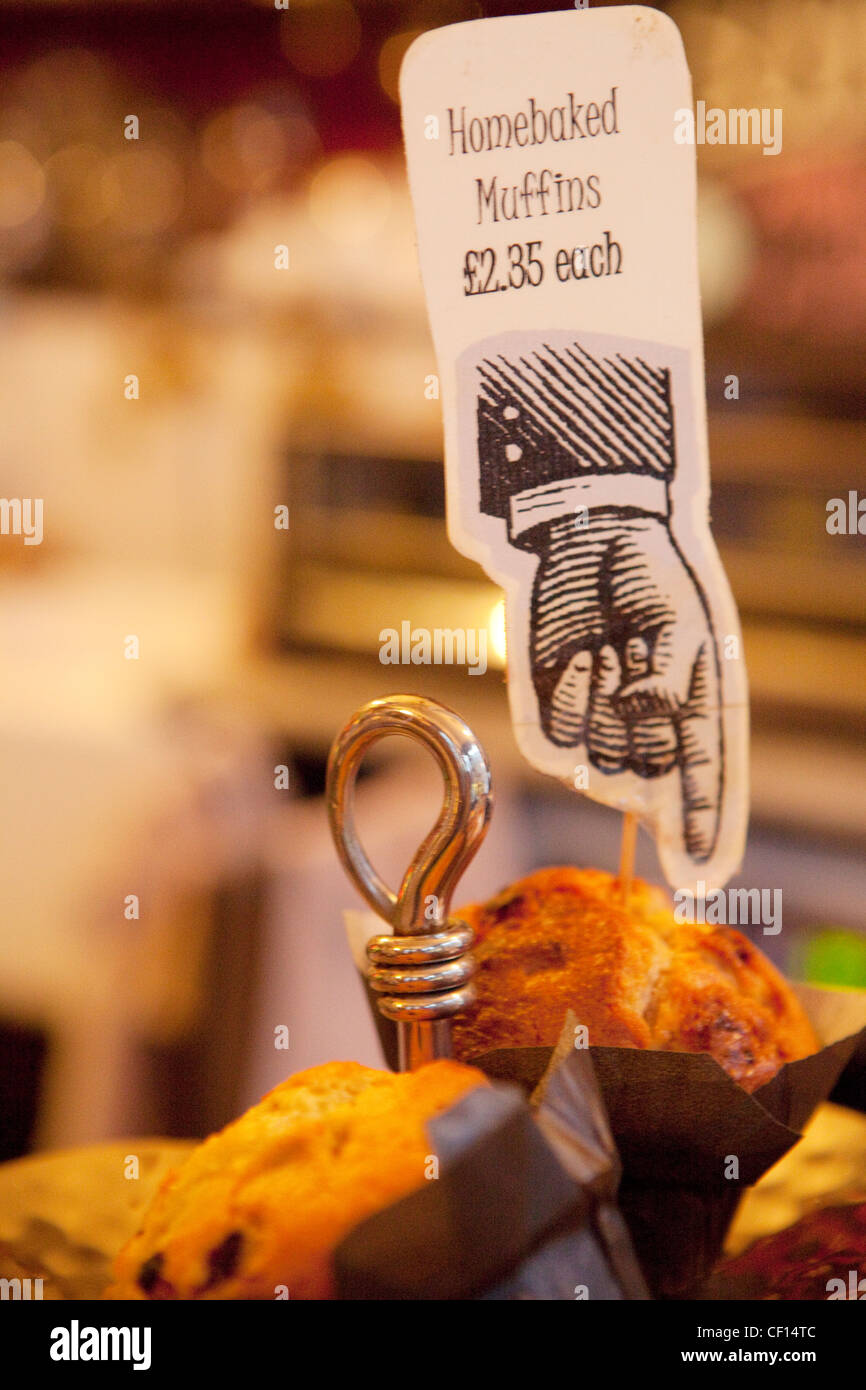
(176,665)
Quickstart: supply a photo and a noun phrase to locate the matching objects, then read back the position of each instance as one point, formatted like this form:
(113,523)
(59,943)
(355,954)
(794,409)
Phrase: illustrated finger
(606,733)
(654,746)
(662,688)
(652,740)
(700,756)
(635,659)
(569,701)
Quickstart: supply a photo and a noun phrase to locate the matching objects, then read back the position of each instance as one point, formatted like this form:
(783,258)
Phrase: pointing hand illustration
(577,453)
(622,667)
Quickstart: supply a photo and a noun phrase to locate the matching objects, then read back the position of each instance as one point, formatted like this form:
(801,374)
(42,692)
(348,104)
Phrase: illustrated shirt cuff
(551,501)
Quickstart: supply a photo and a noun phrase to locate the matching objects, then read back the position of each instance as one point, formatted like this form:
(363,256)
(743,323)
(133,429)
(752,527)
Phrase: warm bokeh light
(161,124)
(22,184)
(142,190)
(302,139)
(74,176)
(20,122)
(496,628)
(321,37)
(349,199)
(71,90)
(726,250)
(244,147)
(390,57)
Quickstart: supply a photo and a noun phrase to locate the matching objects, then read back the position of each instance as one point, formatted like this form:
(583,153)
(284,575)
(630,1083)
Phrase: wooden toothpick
(626,853)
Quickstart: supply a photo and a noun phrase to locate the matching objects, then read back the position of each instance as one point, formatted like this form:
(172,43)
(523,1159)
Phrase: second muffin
(562,939)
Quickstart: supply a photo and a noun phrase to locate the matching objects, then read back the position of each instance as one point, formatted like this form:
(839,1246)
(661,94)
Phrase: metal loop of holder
(423,972)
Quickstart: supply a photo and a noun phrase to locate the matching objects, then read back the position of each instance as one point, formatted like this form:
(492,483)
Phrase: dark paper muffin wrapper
(682,1125)
(524,1206)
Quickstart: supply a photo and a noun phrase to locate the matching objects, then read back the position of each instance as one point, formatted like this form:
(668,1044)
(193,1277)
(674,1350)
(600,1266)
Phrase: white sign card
(556,223)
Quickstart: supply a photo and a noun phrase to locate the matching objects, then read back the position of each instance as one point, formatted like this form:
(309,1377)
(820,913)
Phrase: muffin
(563,939)
(258,1209)
(821,1258)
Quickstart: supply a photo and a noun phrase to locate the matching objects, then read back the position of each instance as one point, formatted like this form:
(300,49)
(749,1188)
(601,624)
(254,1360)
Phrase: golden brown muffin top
(264,1202)
(562,939)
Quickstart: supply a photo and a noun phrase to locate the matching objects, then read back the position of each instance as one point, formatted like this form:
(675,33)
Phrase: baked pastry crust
(821,1257)
(261,1205)
(562,939)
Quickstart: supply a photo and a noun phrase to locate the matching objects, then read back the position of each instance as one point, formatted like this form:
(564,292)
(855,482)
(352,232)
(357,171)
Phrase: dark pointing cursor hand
(624,658)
